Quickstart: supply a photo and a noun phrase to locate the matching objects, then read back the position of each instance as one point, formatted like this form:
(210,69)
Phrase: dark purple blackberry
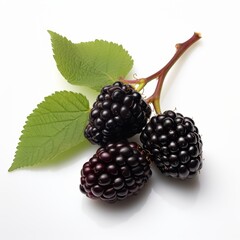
(175,144)
(118,113)
(115,172)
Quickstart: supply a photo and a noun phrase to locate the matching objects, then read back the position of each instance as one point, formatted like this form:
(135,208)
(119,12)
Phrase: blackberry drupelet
(175,144)
(118,113)
(115,172)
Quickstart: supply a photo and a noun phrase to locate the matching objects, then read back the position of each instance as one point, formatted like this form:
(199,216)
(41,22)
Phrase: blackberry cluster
(115,172)
(175,144)
(118,113)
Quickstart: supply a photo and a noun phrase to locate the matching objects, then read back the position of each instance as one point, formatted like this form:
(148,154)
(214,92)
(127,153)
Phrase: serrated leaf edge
(12,168)
(96,88)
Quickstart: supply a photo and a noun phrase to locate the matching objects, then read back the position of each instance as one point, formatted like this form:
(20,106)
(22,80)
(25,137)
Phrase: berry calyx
(115,172)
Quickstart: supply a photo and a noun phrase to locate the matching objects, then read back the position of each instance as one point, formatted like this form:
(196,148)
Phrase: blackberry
(115,172)
(175,144)
(118,113)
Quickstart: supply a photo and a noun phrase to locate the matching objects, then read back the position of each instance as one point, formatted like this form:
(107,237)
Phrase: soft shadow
(110,214)
(135,138)
(180,193)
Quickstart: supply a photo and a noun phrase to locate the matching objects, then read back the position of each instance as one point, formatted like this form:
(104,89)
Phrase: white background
(44,202)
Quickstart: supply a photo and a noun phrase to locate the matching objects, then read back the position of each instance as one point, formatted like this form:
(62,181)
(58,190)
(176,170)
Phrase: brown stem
(181,48)
(161,74)
(155,97)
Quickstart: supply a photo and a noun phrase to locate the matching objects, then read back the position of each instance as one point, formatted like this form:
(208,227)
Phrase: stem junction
(161,74)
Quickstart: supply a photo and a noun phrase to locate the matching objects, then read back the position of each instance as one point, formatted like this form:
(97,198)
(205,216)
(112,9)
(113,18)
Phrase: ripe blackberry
(115,172)
(118,113)
(175,144)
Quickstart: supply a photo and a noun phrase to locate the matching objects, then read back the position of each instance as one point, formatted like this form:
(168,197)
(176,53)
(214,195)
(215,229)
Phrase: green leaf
(92,64)
(56,125)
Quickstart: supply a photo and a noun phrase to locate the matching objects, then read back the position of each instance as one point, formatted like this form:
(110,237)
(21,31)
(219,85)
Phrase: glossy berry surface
(118,113)
(175,144)
(115,172)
